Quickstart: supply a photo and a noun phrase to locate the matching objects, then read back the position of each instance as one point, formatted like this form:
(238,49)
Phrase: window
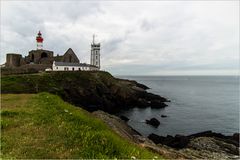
(79,69)
(73,68)
(96,63)
(43,55)
(32,59)
(96,57)
(56,67)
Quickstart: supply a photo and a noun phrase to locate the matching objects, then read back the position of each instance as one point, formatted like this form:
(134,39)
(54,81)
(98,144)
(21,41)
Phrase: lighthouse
(95,53)
(39,40)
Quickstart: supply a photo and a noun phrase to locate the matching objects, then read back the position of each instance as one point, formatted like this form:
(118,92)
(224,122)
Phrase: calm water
(198,103)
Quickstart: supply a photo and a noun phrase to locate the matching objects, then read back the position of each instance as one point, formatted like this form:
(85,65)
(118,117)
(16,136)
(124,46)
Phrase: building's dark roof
(73,64)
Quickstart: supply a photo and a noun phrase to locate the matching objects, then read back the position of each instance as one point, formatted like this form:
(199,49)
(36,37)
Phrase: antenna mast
(93,38)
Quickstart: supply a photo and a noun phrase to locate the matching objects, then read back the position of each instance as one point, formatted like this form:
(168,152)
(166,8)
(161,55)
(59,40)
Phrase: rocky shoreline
(101,91)
(203,145)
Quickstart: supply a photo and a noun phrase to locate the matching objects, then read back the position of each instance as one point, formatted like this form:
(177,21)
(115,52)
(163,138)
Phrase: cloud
(113,44)
(136,38)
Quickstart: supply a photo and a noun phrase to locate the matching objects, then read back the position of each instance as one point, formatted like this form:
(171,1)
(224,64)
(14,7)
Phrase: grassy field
(44,126)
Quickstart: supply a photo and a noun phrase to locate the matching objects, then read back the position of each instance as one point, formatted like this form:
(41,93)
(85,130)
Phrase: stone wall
(70,56)
(25,69)
(13,60)
(36,56)
(37,60)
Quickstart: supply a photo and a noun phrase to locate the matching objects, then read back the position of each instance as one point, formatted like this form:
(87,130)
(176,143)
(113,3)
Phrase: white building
(95,54)
(66,66)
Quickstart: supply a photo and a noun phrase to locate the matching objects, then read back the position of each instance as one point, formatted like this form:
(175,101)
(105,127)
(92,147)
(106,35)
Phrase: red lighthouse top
(39,37)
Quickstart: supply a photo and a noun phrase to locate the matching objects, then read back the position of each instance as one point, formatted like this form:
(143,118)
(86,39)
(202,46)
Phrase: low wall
(25,69)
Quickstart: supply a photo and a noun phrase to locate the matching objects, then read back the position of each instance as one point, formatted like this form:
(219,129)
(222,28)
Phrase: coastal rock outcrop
(206,144)
(95,90)
(154,122)
(199,147)
(210,148)
(179,141)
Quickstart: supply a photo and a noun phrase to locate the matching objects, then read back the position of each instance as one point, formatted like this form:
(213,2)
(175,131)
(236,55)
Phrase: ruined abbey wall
(41,58)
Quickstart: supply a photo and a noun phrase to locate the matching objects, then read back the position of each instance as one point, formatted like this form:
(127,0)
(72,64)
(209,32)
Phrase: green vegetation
(53,82)
(81,88)
(44,126)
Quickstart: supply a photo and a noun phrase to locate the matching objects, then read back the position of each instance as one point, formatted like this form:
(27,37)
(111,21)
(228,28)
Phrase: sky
(137,37)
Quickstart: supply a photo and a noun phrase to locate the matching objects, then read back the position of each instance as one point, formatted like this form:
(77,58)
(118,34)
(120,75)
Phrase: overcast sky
(137,38)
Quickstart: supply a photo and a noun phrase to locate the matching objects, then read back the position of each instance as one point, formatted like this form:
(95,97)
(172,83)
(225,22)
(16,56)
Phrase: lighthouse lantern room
(39,40)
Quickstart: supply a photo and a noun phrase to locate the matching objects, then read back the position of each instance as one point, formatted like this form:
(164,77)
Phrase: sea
(198,103)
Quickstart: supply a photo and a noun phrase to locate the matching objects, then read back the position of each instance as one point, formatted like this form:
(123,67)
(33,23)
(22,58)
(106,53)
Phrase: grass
(52,82)
(44,126)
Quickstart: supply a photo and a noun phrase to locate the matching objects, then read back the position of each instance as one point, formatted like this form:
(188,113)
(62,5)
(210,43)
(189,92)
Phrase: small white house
(66,66)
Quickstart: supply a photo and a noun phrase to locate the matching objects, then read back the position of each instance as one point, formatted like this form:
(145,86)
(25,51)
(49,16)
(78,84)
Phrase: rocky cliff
(93,90)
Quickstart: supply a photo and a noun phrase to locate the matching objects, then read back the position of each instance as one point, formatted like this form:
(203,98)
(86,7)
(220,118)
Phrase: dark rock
(151,97)
(156,138)
(235,137)
(157,104)
(163,116)
(179,141)
(124,118)
(201,145)
(141,103)
(153,121)
(161,139)
(142,86)
(201,134)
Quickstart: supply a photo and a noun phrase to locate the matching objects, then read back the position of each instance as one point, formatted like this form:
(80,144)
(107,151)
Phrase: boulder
(154,122)
(124,118)
(178,142)
(156,138)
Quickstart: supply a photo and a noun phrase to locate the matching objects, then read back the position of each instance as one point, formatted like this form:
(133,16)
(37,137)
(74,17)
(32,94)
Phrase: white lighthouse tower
(95,53)
(39,40)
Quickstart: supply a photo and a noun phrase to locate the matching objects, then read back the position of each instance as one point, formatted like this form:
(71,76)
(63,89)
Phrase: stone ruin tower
(95,53)
(13,60)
